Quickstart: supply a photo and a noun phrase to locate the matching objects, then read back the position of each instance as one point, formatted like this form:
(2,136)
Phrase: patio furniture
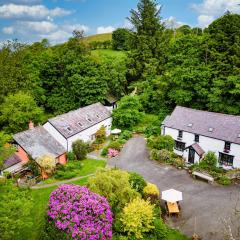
(204,176)
(172,195)
(115,132)
(172,208)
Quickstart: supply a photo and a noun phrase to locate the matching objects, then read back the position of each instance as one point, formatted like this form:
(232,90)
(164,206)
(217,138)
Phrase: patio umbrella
(116,131)
(172,195)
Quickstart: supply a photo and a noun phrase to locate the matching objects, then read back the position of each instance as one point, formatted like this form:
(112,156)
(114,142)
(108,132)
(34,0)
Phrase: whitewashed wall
(206,143)
(86,134)
(59,137)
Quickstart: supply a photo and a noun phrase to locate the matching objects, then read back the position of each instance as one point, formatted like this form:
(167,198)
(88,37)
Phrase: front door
(191,155)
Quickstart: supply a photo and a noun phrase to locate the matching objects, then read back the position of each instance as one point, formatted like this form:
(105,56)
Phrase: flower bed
(80,213)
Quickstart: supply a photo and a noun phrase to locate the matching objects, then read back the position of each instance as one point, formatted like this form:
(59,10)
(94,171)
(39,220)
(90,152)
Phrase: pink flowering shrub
(80,213)
(112,152)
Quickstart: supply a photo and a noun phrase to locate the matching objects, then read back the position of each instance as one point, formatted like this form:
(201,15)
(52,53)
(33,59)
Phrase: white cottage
(82,123)
(196,132)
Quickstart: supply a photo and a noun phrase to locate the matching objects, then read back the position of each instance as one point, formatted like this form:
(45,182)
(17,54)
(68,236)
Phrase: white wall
(207,144)
(56,134)
(86,134)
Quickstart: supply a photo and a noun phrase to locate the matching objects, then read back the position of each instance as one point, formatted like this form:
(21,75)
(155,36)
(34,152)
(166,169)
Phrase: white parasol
(116,131)
(172,195)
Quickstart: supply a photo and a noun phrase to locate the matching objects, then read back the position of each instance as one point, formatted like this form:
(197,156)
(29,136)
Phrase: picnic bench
(204,176)
(172,208)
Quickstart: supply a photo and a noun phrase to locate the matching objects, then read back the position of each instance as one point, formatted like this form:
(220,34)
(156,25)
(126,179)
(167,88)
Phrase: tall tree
(147,56)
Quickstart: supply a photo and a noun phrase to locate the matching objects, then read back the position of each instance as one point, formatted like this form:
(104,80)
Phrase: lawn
(41,196)
(102,54)
(75,169)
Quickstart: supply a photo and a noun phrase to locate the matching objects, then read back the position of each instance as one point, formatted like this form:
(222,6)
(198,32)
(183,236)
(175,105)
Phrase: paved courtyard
(208,204)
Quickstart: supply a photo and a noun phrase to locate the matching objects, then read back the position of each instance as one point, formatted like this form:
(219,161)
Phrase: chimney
(31,125)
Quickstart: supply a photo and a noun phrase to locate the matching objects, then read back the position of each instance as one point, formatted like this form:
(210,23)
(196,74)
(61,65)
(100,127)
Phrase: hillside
(98,37)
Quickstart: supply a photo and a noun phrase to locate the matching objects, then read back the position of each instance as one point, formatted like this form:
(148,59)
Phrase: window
(225,159)
(190,125)
(210,129)
(196,139)
(180,134)
(227,146)
(93,137)
(89,119)
(97,116)
(180,146)
(79,124)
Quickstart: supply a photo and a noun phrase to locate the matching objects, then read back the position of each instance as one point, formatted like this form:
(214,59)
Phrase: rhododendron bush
(80,213)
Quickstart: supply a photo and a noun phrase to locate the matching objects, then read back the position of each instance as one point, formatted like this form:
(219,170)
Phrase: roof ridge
(215,113)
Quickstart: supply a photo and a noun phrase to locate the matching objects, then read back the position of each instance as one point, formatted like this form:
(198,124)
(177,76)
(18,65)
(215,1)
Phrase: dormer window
(180,134)
(227,146)
(79,124)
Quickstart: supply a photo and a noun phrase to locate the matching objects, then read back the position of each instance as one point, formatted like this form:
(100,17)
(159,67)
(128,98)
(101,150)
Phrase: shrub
(153,129)
(115,145)
(151,189)
(80,149)
(82,215)
(165,155)
(224,180)
(70,156)
(125,135)
(101,135)
(154,154)
(47,163)
(161,142)
(114,185)
(137,182)
(160,229)
(137,217)
(210,160)
(112,152)
(104,152)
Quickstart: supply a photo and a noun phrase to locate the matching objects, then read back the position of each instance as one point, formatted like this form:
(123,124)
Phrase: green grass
(176,235)
(98,38)
(41,197)
(77,169)
(102,54)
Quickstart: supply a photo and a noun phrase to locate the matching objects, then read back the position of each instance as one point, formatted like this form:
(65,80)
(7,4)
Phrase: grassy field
(41,197)
(98,38)
(102,54)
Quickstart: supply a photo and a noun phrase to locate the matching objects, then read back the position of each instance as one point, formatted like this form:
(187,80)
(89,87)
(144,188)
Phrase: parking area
(206,205)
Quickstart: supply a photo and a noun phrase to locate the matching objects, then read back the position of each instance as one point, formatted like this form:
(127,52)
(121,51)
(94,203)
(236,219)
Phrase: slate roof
(12,160)
(216,125)
(38,142)
(78,120)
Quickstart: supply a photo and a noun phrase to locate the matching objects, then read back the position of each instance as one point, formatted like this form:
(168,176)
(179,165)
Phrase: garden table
(173,208)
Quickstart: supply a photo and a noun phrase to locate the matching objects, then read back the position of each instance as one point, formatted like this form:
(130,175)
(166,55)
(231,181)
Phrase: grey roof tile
(73,122)
(38,142)
(216,125)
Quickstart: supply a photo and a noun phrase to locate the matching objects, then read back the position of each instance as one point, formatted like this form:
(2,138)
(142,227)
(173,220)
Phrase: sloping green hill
(98,37)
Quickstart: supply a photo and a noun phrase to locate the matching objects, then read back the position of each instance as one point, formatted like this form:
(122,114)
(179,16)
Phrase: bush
(224,180)
(80,149)
(151,189)
(165,156)
(82,215)
(115,145)
(210,160)
(154,129)
(154,154)
(114,185)
(137,182)
(70,156)
(125,135)
(47,163)
(160,230)
(137,217)
(161,142)
(104,152)
(101,135)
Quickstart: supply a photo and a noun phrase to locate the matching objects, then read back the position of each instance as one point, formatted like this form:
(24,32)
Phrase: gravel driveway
(206,203)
